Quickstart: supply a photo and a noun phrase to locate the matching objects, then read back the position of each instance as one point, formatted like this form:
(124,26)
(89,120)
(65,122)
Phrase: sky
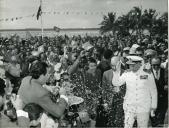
(76,8)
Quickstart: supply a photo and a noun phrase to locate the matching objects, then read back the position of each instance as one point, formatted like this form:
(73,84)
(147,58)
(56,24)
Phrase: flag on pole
(39,12)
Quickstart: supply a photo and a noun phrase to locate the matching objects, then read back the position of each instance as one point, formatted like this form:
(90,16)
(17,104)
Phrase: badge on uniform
(144,77)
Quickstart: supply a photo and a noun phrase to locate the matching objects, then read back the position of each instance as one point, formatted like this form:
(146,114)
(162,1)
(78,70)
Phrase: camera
(10,111)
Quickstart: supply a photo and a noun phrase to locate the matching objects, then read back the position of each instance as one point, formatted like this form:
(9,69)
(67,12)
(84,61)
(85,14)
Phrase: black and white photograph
(84,64)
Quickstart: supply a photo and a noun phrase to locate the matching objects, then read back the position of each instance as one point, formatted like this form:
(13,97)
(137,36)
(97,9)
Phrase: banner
(39,13)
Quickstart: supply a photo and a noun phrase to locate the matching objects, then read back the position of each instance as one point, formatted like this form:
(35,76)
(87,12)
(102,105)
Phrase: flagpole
(41,4)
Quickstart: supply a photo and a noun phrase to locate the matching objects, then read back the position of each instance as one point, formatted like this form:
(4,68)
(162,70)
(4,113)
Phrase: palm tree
(149,18)
(108,23)
(160,25)
(137,21)
(134,17)
(123,25)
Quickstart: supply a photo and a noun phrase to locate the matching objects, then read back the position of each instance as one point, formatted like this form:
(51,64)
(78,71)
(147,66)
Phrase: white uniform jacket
(141,91)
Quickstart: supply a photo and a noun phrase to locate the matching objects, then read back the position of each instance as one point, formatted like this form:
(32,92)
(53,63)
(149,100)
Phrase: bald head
(114,61)
(156,62)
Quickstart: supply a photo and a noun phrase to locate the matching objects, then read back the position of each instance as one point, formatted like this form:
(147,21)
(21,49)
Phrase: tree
(108,23)
(136,20)
(149,18)
(123,25)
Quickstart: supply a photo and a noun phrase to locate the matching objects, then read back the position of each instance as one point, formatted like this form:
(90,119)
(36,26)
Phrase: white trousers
(142,119)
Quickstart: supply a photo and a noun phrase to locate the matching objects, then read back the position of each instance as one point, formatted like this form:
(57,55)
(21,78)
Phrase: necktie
(157,75)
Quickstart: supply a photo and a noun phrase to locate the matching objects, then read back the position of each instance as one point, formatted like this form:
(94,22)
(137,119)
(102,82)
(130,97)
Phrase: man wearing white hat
(141,93)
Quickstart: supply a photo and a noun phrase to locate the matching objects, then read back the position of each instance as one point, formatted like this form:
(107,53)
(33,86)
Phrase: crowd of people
(90,81)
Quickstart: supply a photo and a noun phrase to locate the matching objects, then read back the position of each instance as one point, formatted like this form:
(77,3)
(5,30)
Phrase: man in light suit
(113,98)
(107,80)
(107,93)
(141,93)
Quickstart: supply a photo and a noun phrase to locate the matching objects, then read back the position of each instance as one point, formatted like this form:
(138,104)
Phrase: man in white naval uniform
(141,94)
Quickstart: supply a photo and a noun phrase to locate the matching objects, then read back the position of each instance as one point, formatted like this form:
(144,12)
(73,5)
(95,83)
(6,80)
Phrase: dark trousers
(158,120)
(102,117)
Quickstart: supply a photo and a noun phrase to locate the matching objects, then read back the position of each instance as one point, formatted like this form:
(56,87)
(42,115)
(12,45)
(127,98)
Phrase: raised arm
(72,69)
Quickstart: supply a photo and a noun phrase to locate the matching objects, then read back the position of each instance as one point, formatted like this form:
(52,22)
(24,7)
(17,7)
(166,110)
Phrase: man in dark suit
(107,94)
(31,91)
(159,75)
(107,80)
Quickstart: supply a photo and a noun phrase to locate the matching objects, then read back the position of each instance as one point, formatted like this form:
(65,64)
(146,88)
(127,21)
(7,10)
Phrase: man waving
(141,93)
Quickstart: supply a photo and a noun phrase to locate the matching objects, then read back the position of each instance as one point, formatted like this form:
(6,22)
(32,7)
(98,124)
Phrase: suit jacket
(37,94)
(108,76)
(107,86)
(160,83)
